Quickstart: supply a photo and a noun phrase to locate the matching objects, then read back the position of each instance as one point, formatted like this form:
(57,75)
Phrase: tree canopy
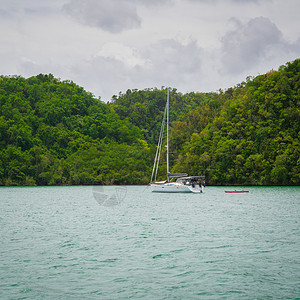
(54,132)
(254,138)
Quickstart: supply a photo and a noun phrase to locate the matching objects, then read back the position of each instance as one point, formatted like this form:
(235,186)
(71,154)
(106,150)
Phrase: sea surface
(128,243)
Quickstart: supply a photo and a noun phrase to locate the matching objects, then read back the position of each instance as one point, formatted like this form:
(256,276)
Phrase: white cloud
(165,63)
(128,56)
(172,62)
(108,46)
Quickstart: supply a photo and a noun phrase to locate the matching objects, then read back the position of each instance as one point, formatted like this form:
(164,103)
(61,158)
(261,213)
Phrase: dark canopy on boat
(192,177)
(177,174)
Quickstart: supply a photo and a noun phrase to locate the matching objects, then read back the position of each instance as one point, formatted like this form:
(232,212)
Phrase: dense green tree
(53,132)
(254,138)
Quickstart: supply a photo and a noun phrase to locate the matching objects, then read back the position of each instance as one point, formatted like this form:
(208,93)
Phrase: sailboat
(184,183)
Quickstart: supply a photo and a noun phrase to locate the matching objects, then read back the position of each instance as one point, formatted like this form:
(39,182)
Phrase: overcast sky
(108,46)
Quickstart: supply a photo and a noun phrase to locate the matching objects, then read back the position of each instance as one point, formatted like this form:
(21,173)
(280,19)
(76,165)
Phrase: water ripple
(58,243)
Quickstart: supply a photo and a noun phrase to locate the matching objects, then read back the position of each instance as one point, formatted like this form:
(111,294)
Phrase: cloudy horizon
(109,46)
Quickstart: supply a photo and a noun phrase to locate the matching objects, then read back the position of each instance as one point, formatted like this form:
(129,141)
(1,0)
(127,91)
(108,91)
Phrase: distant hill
(53,132)
(254,139)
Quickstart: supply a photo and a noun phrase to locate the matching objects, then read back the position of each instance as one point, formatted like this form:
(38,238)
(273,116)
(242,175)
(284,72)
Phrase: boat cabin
(191,180)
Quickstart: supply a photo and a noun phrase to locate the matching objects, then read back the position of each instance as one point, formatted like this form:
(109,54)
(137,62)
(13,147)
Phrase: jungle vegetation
(53,132)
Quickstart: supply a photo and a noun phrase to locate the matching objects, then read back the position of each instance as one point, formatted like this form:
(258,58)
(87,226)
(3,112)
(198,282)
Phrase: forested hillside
(255,137)
(145,108)
(248,134)
(54,132)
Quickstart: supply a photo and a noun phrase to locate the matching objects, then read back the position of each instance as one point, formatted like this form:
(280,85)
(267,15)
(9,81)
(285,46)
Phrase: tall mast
(168,135)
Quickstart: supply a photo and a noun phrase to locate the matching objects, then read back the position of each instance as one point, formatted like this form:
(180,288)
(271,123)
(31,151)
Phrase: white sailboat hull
(185,184)
(175,188)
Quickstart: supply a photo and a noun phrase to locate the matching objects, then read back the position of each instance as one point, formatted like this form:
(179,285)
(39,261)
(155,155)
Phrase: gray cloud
(248,1)
(19,9)
(170,59)
(166,63)
(152,2)
(234,1)
(165,51)
(110,15)
(113,16)
(250,43)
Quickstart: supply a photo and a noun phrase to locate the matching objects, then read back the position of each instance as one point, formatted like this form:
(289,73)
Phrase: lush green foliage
(54,132)
(145,108)
(254,139)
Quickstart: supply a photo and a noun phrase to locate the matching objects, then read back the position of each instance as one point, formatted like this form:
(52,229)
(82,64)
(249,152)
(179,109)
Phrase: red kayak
(236,191)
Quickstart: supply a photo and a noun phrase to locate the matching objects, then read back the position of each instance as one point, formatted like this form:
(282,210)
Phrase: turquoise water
(59,243)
